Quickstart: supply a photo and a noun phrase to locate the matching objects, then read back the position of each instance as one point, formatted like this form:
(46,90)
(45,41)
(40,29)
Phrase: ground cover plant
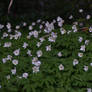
(45,57)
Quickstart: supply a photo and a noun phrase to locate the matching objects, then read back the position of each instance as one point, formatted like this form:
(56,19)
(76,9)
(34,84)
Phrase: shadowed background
(45,8)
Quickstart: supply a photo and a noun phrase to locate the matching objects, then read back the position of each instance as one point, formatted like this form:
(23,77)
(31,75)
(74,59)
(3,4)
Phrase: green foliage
(50,78)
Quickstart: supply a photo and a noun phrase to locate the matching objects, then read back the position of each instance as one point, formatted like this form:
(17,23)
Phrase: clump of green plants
(45,57)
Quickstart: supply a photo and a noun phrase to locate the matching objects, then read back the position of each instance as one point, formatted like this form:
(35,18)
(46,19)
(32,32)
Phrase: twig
(9,7)
(84,29)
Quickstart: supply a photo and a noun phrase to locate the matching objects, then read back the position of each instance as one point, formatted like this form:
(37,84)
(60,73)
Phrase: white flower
(63,31)
(75,62)
(41,26)
(35,69)
(80,54)
(17,27)
(46,31)
(35,59)
(4,60)
(9,57)
(90,29)
(35,33)
(25,45)
(24,24)
(33,23)
(18,34)
(75,23)
(5,34)
(80,39)
(91,64)
(75,30)
(88,17)
(61,67)
(60,24)
(25,75)
(7,44)
(74,27)
(16,52)
(80,10)
(16,37)
(15,62)
(54,21)
(89,90)
(8,77)
(69,31)
(85,68)
(11,36)
(8,26)
(41,39)
(30,27)
(47,24)
(51,39)
(60,21)
(38,44)
(59,18)
(9,30)
(28,37)
(1,26)
(71,16)
(39,53)
(59,54)
(82,48)
(36,63)
(29,52)
(30,33)
(39,20)
(13,71)
(54,34)
(86,42)
(49,27)
(48,48)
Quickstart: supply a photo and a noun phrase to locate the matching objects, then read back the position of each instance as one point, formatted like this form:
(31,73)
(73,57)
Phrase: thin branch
(9,7)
